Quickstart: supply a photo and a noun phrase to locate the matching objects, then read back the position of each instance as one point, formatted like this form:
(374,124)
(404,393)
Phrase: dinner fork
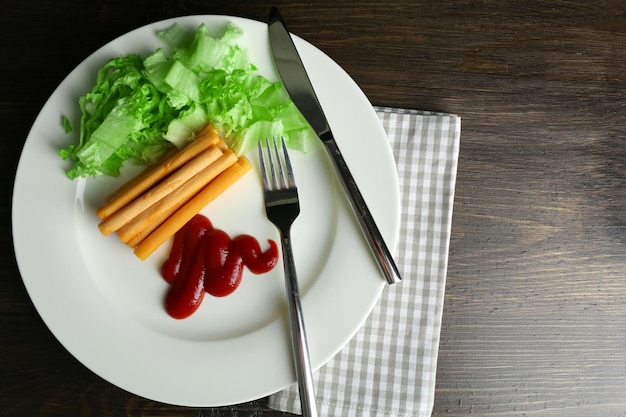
(282,206)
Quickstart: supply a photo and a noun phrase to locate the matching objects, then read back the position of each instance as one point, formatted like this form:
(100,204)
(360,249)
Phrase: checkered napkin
(388,368)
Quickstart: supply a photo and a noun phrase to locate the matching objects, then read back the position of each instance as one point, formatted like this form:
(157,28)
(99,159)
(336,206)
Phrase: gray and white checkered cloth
(388,368)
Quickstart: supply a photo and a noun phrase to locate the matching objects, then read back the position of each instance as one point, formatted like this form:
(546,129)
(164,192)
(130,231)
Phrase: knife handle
(374,239)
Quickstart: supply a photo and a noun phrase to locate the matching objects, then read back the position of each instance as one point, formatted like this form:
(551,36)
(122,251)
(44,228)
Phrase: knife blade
(299,87)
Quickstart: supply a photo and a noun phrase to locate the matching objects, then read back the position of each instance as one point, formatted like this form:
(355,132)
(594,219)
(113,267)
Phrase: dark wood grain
(535,310)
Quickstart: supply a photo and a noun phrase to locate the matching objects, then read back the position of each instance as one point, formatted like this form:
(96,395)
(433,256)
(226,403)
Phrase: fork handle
(374,239)
(298,335)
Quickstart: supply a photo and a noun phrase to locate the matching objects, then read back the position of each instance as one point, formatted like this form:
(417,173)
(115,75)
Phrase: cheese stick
(191,208)
(174,159)
(159,191)
(134,231)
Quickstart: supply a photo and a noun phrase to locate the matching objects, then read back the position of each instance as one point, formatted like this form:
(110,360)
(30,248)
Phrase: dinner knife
(298,85)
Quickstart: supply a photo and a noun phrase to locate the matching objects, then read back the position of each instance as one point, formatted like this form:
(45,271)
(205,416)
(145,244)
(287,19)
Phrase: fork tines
(280,175)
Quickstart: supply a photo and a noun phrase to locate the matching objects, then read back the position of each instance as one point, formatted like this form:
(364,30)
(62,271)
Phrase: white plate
(105,306)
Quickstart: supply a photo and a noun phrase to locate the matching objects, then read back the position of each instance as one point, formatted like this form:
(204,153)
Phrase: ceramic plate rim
(108,331)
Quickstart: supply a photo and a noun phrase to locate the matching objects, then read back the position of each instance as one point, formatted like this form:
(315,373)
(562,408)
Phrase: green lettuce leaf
(139,108)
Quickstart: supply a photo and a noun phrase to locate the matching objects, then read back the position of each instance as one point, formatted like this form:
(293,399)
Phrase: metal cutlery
(297,83)
(282,206)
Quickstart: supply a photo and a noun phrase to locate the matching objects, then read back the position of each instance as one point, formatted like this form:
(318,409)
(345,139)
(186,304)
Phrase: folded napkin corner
(388,368)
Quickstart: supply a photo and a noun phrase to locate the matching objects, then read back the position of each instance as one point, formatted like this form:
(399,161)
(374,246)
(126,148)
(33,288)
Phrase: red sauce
(206,260)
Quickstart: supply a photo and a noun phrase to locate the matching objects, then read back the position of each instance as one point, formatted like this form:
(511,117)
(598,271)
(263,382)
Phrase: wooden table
(534,317)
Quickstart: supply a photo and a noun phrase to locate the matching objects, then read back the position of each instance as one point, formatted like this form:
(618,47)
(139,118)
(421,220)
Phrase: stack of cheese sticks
(154,205)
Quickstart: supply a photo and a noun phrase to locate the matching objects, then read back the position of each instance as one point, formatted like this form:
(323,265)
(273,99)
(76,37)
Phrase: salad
(140,107)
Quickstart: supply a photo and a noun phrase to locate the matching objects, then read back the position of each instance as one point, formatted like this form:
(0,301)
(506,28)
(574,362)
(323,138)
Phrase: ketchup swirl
(206,260)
